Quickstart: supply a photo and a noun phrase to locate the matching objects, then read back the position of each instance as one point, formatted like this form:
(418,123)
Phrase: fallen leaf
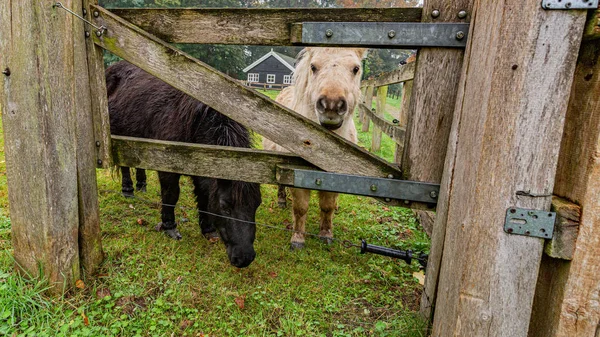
(385,209)
(186,323)
(288,224)
(142,222)
(214,239)
(79,284)
(270,210)
(353,212)
(102,293)
(273,274)
(240,301)
(420,276)
(131,206)
(86,321)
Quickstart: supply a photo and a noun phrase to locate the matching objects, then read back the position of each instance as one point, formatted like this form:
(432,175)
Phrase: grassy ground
(150,285)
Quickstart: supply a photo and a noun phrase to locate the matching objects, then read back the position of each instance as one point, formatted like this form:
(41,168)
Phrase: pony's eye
(313,68)
(355,70)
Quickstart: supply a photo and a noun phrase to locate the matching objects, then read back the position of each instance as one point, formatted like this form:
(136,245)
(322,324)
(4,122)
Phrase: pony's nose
(242,260)
(330,104)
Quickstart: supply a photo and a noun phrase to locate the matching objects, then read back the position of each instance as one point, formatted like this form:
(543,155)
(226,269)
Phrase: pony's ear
(302,54)
(361,52)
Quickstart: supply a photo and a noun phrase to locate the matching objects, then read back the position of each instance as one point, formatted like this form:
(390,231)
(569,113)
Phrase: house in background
(272,71)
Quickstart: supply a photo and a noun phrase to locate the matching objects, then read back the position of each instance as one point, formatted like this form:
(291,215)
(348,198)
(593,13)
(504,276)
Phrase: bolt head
(84,11)
(98,33)
(390,176)
(87,34)
(462,14)
(373,188)
(391,34)
(388,199)
(97,143)
(318,182)
(96,14)
(99,161)
(433,194)
(329,33)
(435,13)
(460,35)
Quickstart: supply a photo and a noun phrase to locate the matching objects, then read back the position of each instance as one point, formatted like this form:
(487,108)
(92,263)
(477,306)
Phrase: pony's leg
(300,199)
(169,191)
(126,182)
(207,228)
(328,204)
(140,178)
(281,197)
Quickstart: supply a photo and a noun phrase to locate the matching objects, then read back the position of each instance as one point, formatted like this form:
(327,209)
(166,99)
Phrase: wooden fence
(486,122)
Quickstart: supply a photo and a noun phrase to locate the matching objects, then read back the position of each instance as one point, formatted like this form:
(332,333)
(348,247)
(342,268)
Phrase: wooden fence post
(368,103)
(380,110)
(403,116)
(39,115)
(363,93)
(505,138)
(566,301)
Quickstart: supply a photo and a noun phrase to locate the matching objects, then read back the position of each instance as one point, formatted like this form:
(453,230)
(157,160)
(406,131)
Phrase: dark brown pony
(143,106)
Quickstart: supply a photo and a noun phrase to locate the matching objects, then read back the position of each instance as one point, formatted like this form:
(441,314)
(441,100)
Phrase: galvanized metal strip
(393,34)
(529,222)
(368,186)
(569,4)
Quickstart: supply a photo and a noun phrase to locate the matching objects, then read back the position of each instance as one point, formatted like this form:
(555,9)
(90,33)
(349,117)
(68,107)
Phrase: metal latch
(529,222)
(569,4)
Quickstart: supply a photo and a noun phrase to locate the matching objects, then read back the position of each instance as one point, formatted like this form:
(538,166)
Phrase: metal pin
(96,14)
(435,13)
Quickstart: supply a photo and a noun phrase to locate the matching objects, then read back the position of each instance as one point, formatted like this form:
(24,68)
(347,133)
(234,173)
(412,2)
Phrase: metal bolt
(84,11)
(99,161)
(6,71)
(435,13)
(96,14)
(460,35)
(568,5)
(391,34)
(97,143)
(462,14)
(329,33)
(98,33)
(373,188)
(87,34)
(433,194)
(318,182)
(390,176)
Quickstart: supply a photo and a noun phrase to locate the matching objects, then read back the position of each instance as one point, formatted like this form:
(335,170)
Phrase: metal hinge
(569,4)
(529,222)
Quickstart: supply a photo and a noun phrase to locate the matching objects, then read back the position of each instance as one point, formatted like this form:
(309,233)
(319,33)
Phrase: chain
(99,30)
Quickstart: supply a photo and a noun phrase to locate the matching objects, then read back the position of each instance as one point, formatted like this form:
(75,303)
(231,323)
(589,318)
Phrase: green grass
(150,285)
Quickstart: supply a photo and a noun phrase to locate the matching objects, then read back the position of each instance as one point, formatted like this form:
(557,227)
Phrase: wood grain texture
(405,72)
(426,153)
(368,102)
(90,239)
(403,117)
(392,130)
(592,26)
(566,229)
(205,160)
(567,298)
(40,142)
(294,132)
(379,111)
(255,26)
(507,129)
(99,100)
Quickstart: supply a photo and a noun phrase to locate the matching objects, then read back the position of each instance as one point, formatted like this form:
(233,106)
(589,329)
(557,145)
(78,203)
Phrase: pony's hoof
(296,245)
(127,193)
(326,240)
(173,233)
(212,237)
(282,204)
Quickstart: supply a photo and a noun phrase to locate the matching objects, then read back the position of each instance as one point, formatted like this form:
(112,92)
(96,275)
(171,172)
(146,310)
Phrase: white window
(270,78)
(252,78)
(287,79)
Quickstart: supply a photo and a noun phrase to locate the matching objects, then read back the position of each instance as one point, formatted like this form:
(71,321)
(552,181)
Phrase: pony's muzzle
(328,105)
(240,257)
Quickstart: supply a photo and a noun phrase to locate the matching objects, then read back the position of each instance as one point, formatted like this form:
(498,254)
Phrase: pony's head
(327,80)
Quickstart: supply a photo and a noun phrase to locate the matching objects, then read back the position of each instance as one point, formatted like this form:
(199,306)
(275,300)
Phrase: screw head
(97,143)
(96,14)
(435,13)
(99,161)
(329,33)
(460,35)
(98,33)
(373,188)
(391,34)
(433,194)
(318,182)
(462,14)
(84,11)
(87,34)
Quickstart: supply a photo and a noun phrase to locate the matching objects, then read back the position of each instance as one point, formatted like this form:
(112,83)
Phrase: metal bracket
(393,34)
(529,222)
(569,4)
(360,185)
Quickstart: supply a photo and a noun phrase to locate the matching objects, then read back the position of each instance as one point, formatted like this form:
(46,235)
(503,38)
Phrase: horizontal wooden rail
(394,131)
(404,73)
(212,161)
(294,132)
(255,26)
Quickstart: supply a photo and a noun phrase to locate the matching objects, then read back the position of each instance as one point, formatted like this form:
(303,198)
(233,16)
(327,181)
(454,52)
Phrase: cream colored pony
(326,89)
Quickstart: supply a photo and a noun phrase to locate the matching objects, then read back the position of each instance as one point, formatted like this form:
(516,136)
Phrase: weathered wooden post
(379,110)
(566,300)
(403,116)
(502,153)
(368,102)
(45,95)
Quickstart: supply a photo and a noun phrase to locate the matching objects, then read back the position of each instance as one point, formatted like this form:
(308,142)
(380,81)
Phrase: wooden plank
(294,132)
(506,134)
(40,142)
(403,118)
(255,26)
(405,72)
(99,99)
(368,101)
(566,229)
(566,302)
(392,130)
(379,111)
(212,161)
(90,239)
(430,114)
